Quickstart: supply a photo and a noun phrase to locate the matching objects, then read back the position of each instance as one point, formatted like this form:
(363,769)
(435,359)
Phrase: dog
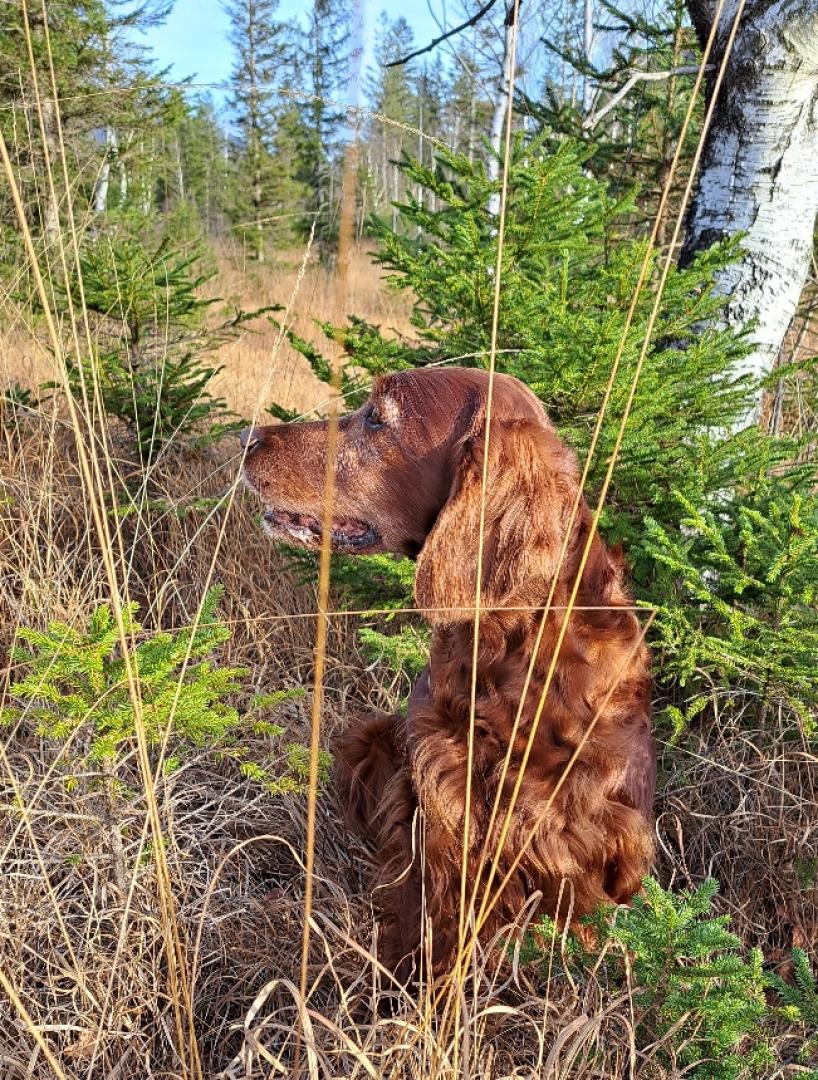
(574,785)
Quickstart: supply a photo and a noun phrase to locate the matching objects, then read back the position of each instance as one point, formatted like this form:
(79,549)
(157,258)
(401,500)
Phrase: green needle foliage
(151,333)
(799,1005)
(698,1000)
(405,652)
(81,687)
(695,989)
(635,141)
(17,404)
(717,519)
(736,590)
(384,583)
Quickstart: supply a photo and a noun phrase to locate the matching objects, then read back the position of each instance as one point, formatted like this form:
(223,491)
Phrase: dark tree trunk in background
(759,172)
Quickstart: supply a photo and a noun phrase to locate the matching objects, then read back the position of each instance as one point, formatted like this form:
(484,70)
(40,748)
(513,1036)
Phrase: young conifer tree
(719,525)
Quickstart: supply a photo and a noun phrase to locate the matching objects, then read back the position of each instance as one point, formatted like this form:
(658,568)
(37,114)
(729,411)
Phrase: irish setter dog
(408,479)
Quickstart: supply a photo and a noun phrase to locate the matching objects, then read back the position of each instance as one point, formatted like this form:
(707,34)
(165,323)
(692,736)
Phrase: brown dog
(408,480)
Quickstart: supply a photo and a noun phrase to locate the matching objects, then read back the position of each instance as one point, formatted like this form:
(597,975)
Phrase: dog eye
(373,419)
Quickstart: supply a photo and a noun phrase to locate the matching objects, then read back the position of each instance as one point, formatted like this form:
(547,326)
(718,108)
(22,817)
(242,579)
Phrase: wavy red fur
(408,480)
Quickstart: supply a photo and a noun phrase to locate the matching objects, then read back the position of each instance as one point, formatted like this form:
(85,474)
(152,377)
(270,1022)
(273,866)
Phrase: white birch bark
(180,171)
(588,49)
(101,190)
(472,118)
(104,178)
(123,182)
(498,115)
(759,173)
(51,211)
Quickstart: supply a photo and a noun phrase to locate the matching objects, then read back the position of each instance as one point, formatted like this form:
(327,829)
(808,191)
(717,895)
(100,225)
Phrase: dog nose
(249,439)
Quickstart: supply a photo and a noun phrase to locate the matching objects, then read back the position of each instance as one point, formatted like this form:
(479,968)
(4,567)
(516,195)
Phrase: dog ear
(531,484)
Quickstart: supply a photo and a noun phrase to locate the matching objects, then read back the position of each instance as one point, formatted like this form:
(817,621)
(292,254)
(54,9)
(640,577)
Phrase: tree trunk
(123,183)
(472,117)
(104,179)
(501,104)
(395,196)
(588,49)
(759,173)
(101,189)
(257,197)
(51,211)
(180,172)
(421,96)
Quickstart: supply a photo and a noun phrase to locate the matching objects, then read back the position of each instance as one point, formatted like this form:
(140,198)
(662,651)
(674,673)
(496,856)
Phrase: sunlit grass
(190,967)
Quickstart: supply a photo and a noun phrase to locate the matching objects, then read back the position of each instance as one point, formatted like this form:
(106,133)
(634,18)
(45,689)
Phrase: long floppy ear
(532,481)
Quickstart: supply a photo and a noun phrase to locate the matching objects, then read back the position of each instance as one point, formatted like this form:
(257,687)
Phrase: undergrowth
(82,688)
(697,998)
(718,519)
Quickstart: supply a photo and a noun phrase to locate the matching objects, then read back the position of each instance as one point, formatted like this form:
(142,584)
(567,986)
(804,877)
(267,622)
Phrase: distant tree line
(98,137)
(264,163)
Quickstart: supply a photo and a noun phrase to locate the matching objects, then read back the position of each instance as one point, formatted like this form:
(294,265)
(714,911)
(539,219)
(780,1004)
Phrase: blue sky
(193,41)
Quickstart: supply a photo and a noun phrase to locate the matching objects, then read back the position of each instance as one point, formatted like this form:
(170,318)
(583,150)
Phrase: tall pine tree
(392,93)
(261,45)
(326,77)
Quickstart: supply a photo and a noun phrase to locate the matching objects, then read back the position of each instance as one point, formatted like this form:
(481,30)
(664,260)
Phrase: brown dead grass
(320,296)
(90,962)
(256,356)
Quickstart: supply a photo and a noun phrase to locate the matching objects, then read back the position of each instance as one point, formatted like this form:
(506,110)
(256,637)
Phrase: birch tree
(759,173)
(104,178)
(501,94)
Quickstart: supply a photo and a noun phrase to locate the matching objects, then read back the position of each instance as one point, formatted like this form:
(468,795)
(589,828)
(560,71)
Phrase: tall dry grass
(257,357)
(190,967)
(319,297)
(89,964)
(97,974)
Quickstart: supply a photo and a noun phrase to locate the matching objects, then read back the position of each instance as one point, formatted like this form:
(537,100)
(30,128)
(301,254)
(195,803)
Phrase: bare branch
(449,33)
(637,76)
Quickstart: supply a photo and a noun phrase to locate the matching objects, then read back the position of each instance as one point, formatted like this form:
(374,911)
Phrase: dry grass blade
(601,416)
(30,1025)
(317,699)
(344,251)
(457,977)
(189,966)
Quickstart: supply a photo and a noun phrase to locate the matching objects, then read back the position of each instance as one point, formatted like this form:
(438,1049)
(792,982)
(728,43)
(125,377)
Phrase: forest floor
(117,979)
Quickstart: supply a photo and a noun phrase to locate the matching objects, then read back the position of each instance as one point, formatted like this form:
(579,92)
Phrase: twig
(484,10)
(638,76)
